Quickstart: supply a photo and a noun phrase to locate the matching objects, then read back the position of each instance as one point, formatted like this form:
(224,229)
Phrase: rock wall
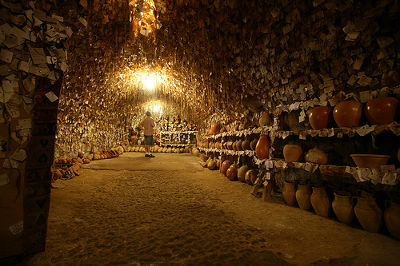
(32,61)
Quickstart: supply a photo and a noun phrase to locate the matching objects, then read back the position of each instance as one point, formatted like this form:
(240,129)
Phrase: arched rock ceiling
(237,57)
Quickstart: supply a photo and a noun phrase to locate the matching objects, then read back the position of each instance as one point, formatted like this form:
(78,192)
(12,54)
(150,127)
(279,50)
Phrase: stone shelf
(364,130)
(387,174)
(229,152)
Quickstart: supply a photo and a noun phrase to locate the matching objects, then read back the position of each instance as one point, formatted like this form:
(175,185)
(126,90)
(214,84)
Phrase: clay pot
(229,145)
(264,119)
(203,157)
(246,145)
(292,152)
(291,121)
(242,173)
(239,145)
(320,201)
(218,163)
(368,214)
(303,195)
(215,128)
(382,110)
(262,147)
(316,155)
(289,193)
(347,113)
(231,173)
(250,177)
(212,164)
(253,144)
(343,208)
(369,160)
(392,219)
(320,117)
(224,167)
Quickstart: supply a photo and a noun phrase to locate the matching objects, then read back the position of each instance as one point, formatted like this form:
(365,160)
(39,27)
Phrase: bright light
(156,108)
(148,81)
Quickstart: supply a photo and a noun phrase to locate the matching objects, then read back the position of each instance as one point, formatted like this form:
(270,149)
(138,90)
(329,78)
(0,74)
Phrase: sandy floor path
(136,210)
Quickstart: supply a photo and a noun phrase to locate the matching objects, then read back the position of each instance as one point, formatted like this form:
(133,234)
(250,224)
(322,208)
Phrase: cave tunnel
(205,132)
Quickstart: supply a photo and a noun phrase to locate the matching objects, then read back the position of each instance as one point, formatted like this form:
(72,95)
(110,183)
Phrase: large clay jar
(264,119)
(251,177)
(343,208)
(246,145)
(231,173)
(262,147)
(215,128)
(292,152)
(289,193)
(347,113)
(392,219)
(224,167)
(382,110)
(242,173)
(368,214)
(303,195)
(253,144)
(320,201)
(317,156)
(320,117)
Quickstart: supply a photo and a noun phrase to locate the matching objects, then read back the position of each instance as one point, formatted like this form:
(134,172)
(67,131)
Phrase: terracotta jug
(224,167)
(215,128)
(289,193)
(320,201)
(316,155)
(246,145)
(320,117)
(303,195)
(292,152)
(343,207)
(368,214)
(251,177)
(381,110)
(231,173)
(242,173)
(392,219)
(262,147)
(347,113)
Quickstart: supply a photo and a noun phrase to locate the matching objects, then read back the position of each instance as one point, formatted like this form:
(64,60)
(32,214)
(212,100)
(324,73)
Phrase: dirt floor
(137,210)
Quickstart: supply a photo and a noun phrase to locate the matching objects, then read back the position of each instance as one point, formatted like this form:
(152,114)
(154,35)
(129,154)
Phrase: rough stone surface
(169,209)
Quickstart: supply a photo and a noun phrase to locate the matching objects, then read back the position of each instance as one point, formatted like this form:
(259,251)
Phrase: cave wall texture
(227,61)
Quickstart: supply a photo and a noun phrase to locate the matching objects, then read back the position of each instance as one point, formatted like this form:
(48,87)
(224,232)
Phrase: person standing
(148,127)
